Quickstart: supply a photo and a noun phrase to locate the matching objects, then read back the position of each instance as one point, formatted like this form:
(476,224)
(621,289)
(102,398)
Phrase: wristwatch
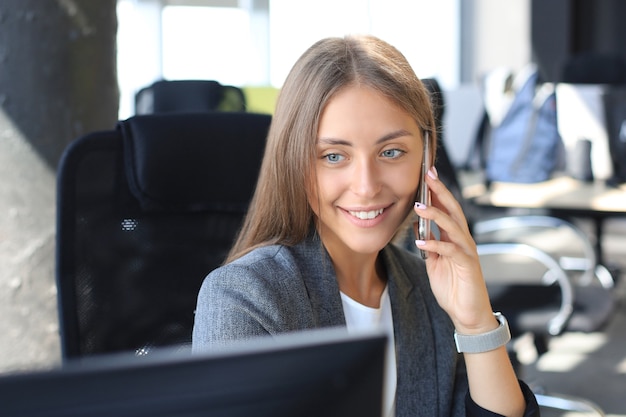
(484,342)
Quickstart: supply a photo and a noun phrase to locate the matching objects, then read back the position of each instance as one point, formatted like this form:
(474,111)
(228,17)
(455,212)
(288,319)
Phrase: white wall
(501,35)
(425,31)
(496,34)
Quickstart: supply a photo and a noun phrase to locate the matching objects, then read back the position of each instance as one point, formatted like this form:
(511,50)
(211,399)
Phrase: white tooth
(363,215)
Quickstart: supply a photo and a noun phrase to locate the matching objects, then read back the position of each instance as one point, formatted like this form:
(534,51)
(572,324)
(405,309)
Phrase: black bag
(615,113)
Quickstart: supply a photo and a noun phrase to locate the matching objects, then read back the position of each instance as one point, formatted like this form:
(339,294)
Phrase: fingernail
(419,243)
(419,205)
(432,173)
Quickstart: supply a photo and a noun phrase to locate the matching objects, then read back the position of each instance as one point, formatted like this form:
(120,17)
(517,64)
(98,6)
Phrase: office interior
(456,42)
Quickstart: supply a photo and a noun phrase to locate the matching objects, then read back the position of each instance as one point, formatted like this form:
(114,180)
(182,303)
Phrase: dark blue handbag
(526,146)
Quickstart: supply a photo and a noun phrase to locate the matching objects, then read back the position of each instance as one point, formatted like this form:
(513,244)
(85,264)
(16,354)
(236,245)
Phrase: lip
(366,222)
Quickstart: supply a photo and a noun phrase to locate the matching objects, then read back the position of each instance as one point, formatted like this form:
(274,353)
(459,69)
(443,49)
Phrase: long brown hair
(279,211)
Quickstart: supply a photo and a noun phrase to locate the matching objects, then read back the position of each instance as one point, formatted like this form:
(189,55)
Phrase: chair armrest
(587,263)
(554,274)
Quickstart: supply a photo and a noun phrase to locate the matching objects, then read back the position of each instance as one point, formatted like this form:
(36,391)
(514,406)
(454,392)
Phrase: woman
(339,179)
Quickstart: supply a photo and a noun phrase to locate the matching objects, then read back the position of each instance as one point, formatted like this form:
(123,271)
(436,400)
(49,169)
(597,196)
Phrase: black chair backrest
(167,96)
(445,168)
(144,212)
(444,165)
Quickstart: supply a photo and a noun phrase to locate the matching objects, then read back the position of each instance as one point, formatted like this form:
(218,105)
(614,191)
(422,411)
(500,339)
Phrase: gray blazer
(279,289)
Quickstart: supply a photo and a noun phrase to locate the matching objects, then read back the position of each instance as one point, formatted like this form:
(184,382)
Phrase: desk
(562,196)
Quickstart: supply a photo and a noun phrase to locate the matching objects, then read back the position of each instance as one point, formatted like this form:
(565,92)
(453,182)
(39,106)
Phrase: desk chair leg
(599,226)
(600,272)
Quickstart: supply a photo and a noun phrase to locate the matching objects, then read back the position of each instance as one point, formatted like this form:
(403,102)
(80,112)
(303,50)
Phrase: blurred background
(68,67)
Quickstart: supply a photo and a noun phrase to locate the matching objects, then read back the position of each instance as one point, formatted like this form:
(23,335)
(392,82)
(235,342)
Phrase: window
(425,31)
(206,43)
(256,42)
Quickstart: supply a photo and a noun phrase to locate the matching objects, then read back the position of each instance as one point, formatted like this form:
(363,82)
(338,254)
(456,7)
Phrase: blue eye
(391,153)
(334,158)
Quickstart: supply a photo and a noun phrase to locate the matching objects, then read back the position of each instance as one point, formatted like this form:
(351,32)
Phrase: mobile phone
(423,225)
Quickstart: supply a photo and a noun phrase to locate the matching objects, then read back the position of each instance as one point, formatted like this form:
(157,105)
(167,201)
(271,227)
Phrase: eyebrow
(389,136)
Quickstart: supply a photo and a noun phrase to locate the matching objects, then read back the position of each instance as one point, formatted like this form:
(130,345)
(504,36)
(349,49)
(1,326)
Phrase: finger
(450,230)
(445,249)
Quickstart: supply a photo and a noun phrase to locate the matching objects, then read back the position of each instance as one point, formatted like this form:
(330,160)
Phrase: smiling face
(369,154)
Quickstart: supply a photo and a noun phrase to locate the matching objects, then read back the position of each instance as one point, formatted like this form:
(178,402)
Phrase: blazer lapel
(414,341)
(321,282)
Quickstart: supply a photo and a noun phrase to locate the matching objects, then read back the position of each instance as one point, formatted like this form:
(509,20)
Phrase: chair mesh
(128,278)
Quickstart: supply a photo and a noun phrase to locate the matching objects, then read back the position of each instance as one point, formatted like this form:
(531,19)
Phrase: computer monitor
(313,373)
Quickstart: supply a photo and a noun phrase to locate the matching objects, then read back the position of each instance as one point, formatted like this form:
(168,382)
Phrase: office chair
(560,238)
(592,304)
(535,294)
(532,286)
(144,213)
(166,96)
(578,256)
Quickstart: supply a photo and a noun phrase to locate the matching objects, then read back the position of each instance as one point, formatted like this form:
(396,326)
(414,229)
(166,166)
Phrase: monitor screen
(313,373)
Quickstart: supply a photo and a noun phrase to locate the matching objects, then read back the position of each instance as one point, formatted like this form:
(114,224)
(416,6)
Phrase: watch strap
(484,342)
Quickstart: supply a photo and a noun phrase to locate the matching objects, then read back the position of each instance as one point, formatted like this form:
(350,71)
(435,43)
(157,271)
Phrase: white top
(360,317)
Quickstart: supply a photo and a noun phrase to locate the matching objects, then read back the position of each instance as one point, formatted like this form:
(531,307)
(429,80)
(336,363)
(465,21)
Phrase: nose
(366,178)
